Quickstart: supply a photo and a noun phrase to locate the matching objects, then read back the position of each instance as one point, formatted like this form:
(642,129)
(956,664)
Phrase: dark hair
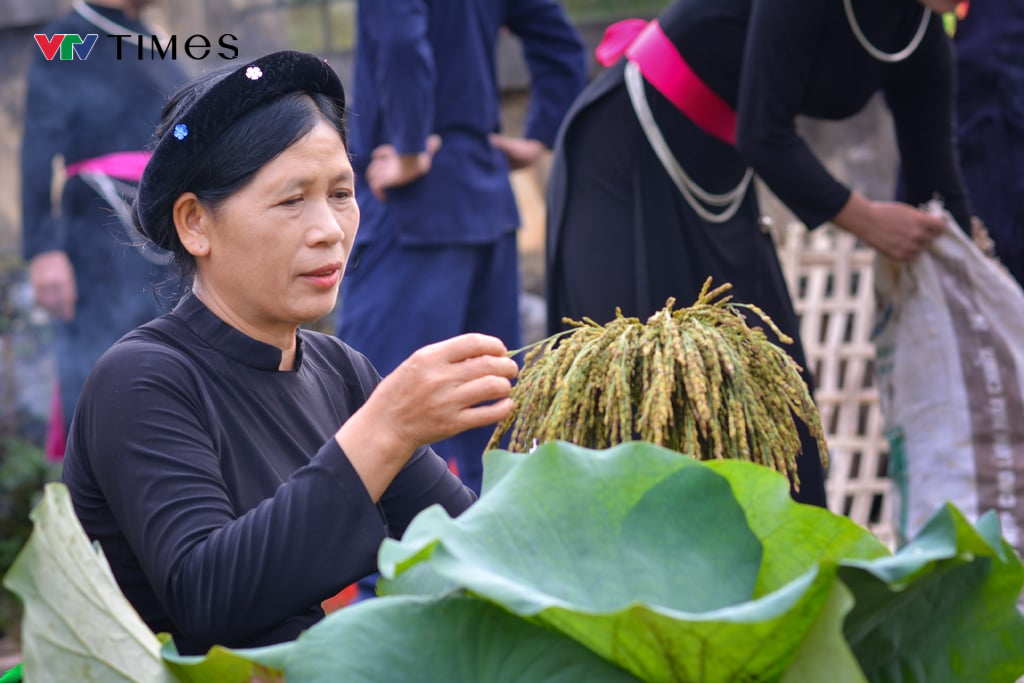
(227,163)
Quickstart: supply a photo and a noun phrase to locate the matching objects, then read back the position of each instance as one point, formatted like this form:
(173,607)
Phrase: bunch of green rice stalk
(698,380)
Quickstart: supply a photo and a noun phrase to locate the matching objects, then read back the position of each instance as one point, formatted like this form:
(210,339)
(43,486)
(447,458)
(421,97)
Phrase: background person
(236,469)
(990,121)
(723,82)
(437,252)
(94,115)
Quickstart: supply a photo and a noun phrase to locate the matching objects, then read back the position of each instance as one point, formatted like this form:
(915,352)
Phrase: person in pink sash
(652,188)
(93,115)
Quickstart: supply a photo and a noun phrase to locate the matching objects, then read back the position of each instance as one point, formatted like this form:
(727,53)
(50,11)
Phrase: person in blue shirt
(437,253)
(95,115)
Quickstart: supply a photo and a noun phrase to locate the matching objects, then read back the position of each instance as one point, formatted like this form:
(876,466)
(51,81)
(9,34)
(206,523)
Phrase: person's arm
(43,243)
(395,32)
(783,39)
(557,62)
(396,41)
(783,43)
(424,481)
(921,99)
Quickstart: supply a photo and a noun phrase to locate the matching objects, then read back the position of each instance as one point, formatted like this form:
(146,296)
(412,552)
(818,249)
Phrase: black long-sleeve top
(773,60)
(215,486)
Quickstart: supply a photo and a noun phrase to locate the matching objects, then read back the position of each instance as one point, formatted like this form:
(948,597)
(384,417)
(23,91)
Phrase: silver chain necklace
(891,57)
(726,203)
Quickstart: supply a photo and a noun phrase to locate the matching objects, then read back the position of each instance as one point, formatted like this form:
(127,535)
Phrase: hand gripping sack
(949,340)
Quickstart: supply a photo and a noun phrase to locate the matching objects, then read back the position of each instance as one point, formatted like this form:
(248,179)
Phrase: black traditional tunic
(76,110)
(620,234)
(216,488)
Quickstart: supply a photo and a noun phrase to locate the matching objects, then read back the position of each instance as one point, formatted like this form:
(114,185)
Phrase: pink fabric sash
(122,165)
(647,46)
(56,440)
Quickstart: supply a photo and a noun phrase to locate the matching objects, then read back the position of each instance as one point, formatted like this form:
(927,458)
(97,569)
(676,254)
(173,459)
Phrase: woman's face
(276,250)
(940,6)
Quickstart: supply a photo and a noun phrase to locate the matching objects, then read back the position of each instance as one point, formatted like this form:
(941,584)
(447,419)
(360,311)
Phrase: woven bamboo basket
(831,280)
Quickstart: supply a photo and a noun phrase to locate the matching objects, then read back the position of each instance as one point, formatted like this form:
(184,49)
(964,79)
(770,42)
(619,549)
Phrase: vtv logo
(70,44)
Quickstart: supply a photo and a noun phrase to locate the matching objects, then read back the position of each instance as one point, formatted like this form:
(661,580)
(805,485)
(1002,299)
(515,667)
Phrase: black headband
(196,128)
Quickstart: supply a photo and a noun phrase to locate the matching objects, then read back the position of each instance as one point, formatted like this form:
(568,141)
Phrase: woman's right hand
(897,230)
(439,391)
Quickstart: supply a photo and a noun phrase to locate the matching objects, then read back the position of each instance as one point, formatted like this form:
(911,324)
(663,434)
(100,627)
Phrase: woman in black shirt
(238,470)
(722,82)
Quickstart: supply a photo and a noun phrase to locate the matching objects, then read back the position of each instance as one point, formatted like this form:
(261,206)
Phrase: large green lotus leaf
(77,626)
(942,609)
(824,655)
(794,536)
(615,513)
(643,555)
(224,665)
(454,639)
(755,640)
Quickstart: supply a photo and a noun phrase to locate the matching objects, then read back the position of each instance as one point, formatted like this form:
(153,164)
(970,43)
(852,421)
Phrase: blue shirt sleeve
(396,35)
(557,61)
(47,114)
